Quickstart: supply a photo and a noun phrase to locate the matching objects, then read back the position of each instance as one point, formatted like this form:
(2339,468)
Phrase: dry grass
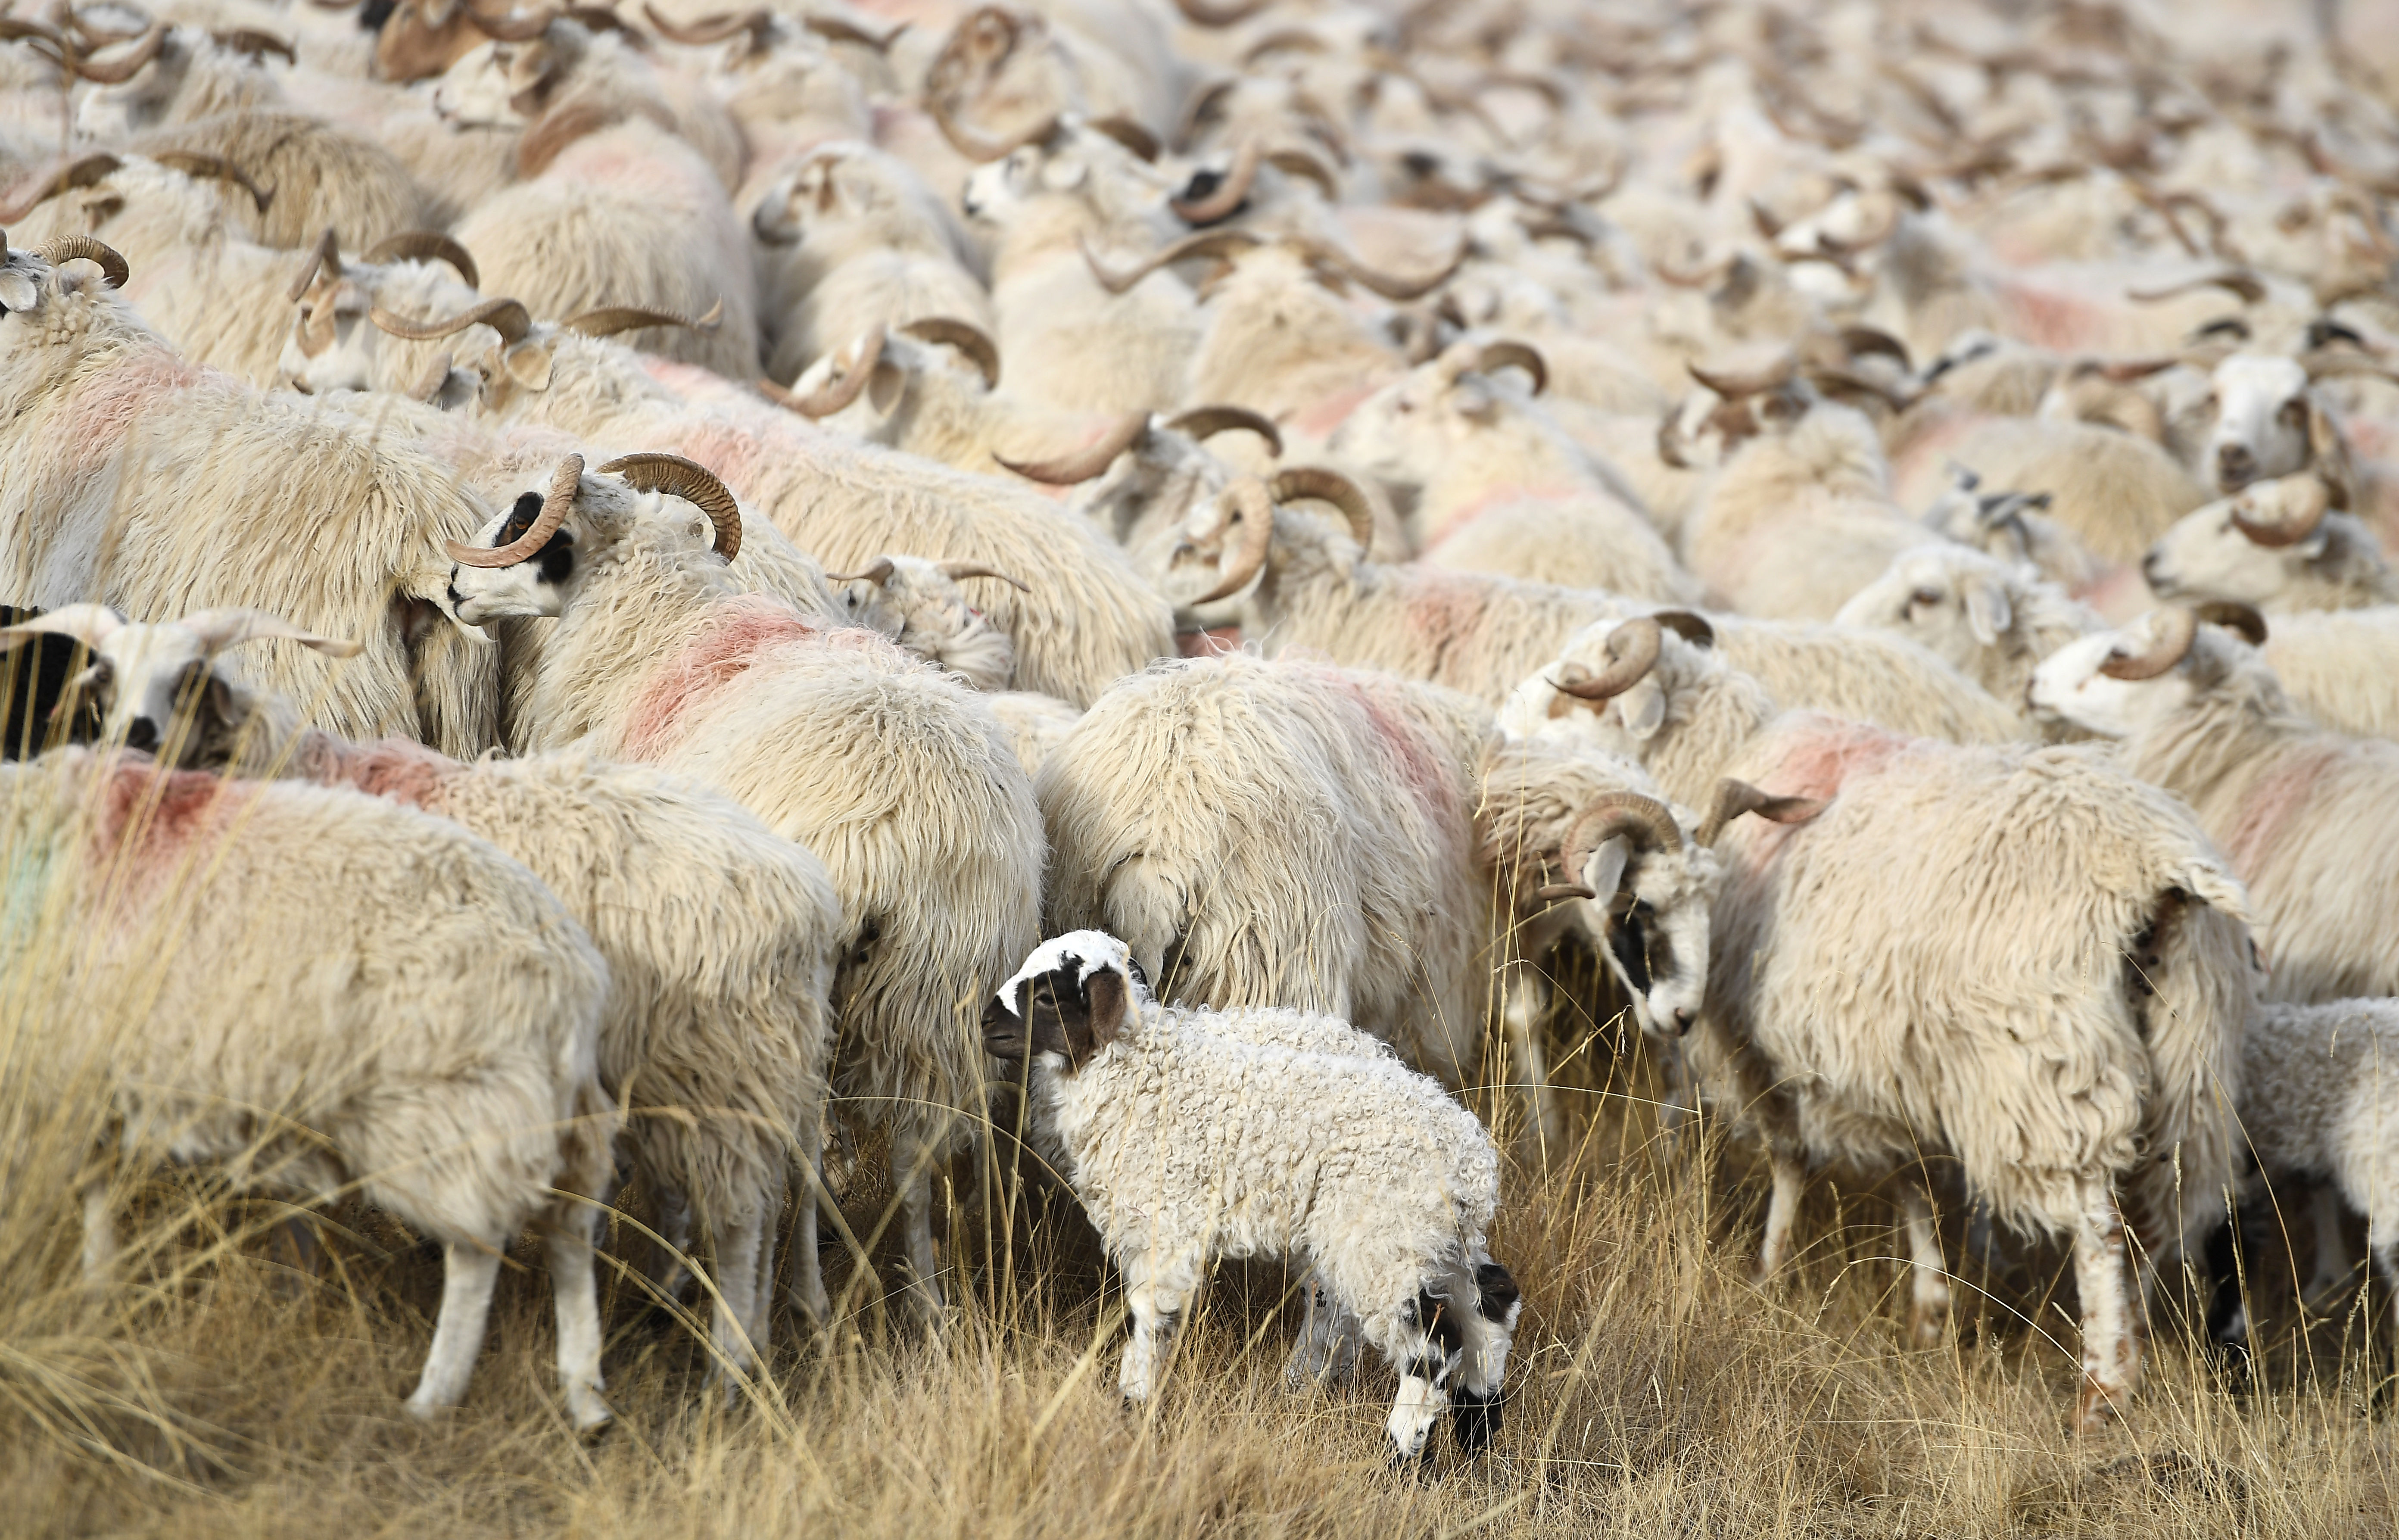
(213,1390)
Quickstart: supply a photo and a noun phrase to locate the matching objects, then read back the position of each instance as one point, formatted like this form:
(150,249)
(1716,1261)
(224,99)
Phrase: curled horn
(62,250)
(2177,627)
(2239,282)
(554,505)
(124,67)
(1384,283)
(964,335)
(326,255)
(877,572)
(1861,341)
(1307,167)
(839,391)
(1134,136)
(1690,625)
(970,142)
(2328,363)
(1736,798)
(202,163)
(90,624)
(1645,819)
(1633,649)
(710,29)
(1521,355)
(956,570)
(1292,483)
(255,43)
(219,629)
(1206,422)
(429,385)
(1734,387)
(608,319)
(1233,14)
(2293,520)
(1207,243)
(1229,192)
(836,29)
(82,172)
(507,317)
(2234,616)
(692,482)
(1084,464)
(417,245)
(507,26)
(1248,500)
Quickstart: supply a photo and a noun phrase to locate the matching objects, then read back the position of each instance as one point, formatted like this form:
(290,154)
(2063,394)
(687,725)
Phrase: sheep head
(2119,683)
(920,606)
(1075,995)
(2263,545)
(1730,409)
(531,560)
(1953,600)
(421,39)
(1455,403)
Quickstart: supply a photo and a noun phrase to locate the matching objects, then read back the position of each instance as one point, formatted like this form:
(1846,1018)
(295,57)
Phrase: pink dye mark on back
(1407,744)
(104,408)
(1821,753)
(2271,803)
(148,820)
(740,632)
(2051,319)
(1444,608)
(1325,415)
(407,772)
(1494,499)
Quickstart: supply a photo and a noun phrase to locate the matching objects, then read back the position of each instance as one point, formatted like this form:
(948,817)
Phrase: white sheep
(1991,619)
(2277,545)
(359,998)
(895,775)
(1187,1146)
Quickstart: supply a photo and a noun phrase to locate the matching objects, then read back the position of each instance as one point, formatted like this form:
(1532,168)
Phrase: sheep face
(919,605)
(607,516)
(2072,685)
(846,182)
(1073,163)
(109,114)
(331,344)
(1073,998)
(46,313)
(1951,601)
(421,38)
(2221,550)
(1657,937)
(1403,432)
(507,84)
(1703,432)
(2262,411)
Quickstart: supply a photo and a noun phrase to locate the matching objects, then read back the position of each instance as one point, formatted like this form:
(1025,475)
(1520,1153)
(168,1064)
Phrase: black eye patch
(521,518)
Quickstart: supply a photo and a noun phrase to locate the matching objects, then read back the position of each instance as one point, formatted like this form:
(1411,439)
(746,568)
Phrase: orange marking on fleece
(149,820)
(407,772)
(1496,497)
(1444,608)
(738,632)
(1332,412)
(2049,319)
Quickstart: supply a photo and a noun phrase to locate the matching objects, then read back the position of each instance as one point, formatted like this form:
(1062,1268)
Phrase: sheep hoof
(1927,1324)
(2095,1409)
(592,1419)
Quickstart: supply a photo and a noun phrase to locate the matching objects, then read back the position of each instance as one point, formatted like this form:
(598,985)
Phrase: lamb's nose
(142,735)
(2235,467)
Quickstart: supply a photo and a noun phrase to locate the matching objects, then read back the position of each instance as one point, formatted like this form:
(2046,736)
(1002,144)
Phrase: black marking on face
(1474,1418)
(374,13)
(1629,940)
(557,557)
(1440,1322)
(1495,1292)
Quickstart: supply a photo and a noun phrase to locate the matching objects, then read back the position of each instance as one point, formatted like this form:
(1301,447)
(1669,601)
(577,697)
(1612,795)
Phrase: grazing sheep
(433,1045)
(1187,1146)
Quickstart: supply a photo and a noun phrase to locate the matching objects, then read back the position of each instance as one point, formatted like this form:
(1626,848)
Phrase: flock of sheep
(612,573)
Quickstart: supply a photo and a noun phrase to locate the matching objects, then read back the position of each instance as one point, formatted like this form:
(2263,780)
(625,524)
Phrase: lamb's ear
(1109,1008)
(2330,452)
(1987,612)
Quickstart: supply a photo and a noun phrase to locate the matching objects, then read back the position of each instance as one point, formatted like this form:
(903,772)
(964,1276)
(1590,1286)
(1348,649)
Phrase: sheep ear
(1644,709)
(2216,888)
(529,363)
(883,386)
(17,291)
(1605,868)
(2330,452)
(1106,997)
(1987,612)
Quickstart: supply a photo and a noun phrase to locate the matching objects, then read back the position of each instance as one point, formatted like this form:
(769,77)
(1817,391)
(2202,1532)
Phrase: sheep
(2340,667)
(321,176)
(895,776)
(917,605)
(2098,910)
(2012,526)
(612,207)
(1497,486)
(851,238)
(1280,336)
(718,935)
(1087,619)
(2276,545)
(432,1045)
(138,480)
(2299,810)
(1389,1201)
(2266,421)
(1990,619)
(2114,492)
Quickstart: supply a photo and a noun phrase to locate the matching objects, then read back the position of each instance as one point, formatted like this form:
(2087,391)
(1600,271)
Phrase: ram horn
(1648,822)
(2176,628)
(971,143)
(692,482)
(508,26)
(840,390)
(202,163)
(1293,483)
(2239,282)
(15,29)
(1385,284)
(90,624)
(878,572)
(1307,167)
(2332,364)
(1206,422)
(2232,615)
(1755,383)
(248,40)
(325,256)
(555,503)
(1248,500)
(1507,353)
(1207,243)
(957,570)
(1133,135)
(123,68)
(219,629)
(709,28)
(1229,191)
(833,29)
(606,320)
(1633,649)
(1863,341)
(964,335)
(1736,798)
(1670,442)
(1085,463)
(428,384)
(1231,14)
(418,245)
(2292,516)
(1690,625)
(82,172)
(60,250)
(507,317)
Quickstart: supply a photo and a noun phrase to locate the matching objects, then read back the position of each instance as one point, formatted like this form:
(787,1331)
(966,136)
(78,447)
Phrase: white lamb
(1188,1146)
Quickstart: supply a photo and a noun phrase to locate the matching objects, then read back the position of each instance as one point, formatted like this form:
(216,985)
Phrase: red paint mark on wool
(1207,643)
(738,632)
(1407,745)
(1819,757)
(149,820)
(405,771)
(1496,497)
(738,457)
(2051,319)
(1332,412)
(1444,608)
(105,407)
(2271,803)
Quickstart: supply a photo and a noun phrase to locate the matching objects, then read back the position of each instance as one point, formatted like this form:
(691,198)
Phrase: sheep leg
(1327,1350)
(1489,1304)
(666,1270)
(916,1223)
(1927,1306)
(575,1299)
(1526,1004)
(1424,1372)
(99,1233)
(736,1300)
(2333,1266)
(2111,1352)
(1153,1297)
(806,1293)
(1789,1175)
(469,1274)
